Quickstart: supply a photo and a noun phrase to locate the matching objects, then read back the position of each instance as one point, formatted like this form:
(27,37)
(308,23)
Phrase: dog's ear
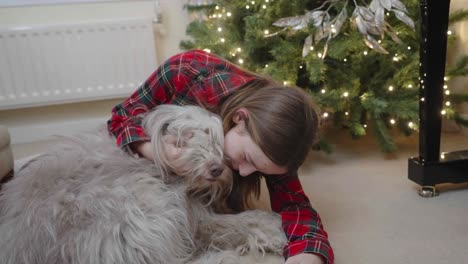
(158,121)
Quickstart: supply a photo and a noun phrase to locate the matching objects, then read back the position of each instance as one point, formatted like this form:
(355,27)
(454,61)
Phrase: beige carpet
(370,209)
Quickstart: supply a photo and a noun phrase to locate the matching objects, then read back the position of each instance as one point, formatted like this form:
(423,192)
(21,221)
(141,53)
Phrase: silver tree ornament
(368,19)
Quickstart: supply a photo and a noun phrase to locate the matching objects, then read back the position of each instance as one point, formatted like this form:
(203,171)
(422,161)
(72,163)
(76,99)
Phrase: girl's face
(243,154)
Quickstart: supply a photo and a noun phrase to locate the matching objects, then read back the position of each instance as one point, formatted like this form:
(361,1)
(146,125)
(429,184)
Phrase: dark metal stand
(430,168)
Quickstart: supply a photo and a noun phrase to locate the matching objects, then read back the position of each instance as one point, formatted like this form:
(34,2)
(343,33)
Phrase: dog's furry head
(198,136)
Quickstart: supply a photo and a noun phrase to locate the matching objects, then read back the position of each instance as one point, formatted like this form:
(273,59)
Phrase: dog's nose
(216,171)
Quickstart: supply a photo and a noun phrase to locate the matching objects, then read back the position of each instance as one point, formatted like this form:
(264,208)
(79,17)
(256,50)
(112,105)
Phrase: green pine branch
(458,98)
(458,16)
(199,8)
(381,133)
(460,120)
(460,68)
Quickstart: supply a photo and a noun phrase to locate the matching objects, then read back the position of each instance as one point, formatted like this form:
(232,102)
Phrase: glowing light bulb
(323,91)
(447,92)
(222,40)
(447,103)
(267,32)
(346,113)
(345,94)
(449,32)
(443,112)
(239,49)
(390,88)
(220,29)
(365,52)
(207,50)
(241,61)
(392,121)
(228,14)
(410,124)
(264,6)
(325,115)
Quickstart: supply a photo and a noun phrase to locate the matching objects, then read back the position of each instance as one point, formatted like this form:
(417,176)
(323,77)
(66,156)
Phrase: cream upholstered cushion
(6,156)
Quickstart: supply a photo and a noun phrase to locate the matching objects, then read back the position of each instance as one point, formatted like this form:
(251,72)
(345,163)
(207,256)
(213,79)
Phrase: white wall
(38,123)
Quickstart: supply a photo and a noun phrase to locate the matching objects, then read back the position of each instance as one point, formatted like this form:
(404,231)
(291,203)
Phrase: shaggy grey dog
(86,201)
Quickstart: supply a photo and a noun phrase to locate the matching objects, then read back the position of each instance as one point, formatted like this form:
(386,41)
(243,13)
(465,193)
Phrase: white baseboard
(36,132)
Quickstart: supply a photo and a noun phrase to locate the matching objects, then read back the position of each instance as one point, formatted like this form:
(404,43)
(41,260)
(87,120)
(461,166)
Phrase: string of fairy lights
(220,14)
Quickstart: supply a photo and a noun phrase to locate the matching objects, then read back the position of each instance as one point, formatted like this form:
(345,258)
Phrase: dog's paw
(264,232)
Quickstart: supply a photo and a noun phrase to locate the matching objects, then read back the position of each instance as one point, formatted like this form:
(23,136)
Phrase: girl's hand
(144,149)
(305,258)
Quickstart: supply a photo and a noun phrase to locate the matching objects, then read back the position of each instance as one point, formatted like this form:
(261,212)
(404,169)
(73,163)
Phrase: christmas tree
(359,62)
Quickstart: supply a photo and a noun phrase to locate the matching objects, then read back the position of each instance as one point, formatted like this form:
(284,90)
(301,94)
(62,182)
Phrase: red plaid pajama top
(200,77)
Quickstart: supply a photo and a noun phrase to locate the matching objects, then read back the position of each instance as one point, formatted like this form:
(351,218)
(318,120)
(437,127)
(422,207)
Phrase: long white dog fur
(86,201)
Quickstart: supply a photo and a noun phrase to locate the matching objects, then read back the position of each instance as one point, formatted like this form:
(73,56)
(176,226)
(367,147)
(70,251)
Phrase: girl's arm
(192,77)
(166,84)
(143,148)
(301,222)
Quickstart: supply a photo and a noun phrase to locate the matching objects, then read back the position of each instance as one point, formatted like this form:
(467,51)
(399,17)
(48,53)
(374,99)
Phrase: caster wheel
(428,191)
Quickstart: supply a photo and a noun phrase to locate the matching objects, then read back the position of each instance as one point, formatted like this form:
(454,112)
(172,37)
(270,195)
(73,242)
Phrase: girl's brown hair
(281,120)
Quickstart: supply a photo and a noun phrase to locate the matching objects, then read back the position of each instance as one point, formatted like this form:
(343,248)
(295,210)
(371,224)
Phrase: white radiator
(52,64)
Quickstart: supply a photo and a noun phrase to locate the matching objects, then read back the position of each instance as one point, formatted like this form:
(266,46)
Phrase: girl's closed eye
(228,160)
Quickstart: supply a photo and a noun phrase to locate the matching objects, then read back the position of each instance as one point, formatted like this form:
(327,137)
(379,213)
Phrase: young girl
(269,130)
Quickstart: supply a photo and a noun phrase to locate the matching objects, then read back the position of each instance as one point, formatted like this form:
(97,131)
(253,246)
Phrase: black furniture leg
(432,168)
